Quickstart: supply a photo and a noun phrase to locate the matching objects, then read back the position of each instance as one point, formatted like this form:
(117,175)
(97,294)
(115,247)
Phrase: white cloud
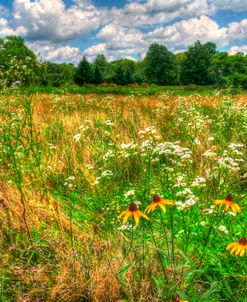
(56,52)
(6,30)
(153,12)
(124,32)
(236,5)
(51,20)
(125,41)
(238,30)
(94,50)
(235,49)
(186,32)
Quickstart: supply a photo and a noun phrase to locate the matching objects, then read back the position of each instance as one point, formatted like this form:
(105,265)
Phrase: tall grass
(71,164)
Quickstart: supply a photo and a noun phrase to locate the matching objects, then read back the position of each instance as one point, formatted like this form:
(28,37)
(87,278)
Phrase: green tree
(230,70)
(160,65)
(84,72)
(100,67)
(197,68)
(57,75)
(17,62)
(123,71)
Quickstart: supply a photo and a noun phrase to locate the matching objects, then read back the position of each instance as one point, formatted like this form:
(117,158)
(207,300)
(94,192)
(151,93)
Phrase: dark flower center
(156,198)
(229,197)
(243,241)
(133,207)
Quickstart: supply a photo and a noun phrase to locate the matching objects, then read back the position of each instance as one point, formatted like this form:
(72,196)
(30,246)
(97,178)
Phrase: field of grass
(70,165)
(134,89)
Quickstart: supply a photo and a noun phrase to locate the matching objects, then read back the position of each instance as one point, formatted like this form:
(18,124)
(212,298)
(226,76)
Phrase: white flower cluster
(199,182)
(222,228)
(109,123)
(104,174)
(129,193)
(77,137)
(69,183)
(210,210)
(186,204)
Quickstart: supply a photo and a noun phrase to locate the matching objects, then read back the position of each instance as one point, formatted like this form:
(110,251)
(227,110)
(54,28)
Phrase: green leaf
(123,270)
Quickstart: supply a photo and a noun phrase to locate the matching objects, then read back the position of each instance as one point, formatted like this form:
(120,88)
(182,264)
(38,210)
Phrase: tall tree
(57,74)
(123,71)
(84,72)
(99,66)
(160,65)
(18,64)
(196,68)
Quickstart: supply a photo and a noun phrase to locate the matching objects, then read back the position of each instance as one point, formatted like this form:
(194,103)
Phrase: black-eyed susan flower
(239,248)
(133,211)
(158,202)
(229,203)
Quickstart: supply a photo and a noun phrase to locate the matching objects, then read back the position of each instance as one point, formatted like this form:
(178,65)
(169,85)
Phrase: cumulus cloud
(56,52)
(6,30)
(236,5)
(186,32)
(96,49)
(51,20)
(235,49)
(126,41)
(238,30)
(122,32)
(153,12)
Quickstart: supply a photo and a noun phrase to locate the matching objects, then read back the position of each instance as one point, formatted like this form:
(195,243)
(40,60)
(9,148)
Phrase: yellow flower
(132,211)
(229,204)
(158,202)
(239,248)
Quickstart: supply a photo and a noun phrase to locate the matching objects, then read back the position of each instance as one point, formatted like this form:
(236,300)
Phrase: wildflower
(133,211)
(229,204)
(77,137)
(239,248)
(129,193)
(222,228)
(158,202)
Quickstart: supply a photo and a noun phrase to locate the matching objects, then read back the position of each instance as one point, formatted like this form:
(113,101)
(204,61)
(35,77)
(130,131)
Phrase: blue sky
(64,31)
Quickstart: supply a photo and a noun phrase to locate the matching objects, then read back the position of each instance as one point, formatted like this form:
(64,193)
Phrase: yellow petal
(242,252)
(227,207)
(143,215)
(123,213)
(234,249)
(238,250)
(167,201)
(126,217)
(218,201)
(136,217)
(163,208)
(147,209)
(237,208)
(150,208)
(230,245)
(233,208)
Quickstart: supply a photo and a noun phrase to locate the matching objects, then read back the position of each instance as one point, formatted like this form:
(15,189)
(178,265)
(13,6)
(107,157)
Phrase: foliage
(196,67)
(160,65)
(83,73)
(18,64)
(57,75)
(201,64)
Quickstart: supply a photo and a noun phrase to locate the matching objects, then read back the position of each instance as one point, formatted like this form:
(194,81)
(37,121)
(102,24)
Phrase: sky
(65,30)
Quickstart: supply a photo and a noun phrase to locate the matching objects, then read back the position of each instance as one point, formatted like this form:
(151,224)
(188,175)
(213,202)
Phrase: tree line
(200,64)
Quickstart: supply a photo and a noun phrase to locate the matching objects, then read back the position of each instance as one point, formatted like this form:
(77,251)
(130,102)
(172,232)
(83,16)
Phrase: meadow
(123,197)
